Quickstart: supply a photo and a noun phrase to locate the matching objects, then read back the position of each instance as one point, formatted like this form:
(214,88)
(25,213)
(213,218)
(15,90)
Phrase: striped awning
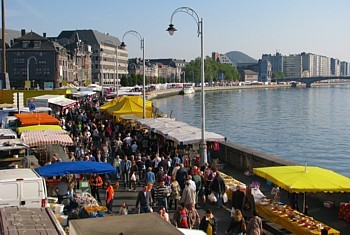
(46,137)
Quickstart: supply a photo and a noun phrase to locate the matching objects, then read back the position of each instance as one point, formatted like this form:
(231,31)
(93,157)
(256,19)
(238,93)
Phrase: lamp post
(116,71)
(171,30)
(142,41)
(28,61)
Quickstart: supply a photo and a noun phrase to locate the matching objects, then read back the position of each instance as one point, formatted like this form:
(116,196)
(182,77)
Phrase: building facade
(32,62)
(107,57)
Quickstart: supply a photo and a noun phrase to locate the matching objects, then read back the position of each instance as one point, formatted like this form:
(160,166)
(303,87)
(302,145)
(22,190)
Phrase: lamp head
(171,29)
(122,46)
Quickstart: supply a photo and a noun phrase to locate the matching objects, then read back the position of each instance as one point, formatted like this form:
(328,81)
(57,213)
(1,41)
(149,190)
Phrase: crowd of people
(172,179)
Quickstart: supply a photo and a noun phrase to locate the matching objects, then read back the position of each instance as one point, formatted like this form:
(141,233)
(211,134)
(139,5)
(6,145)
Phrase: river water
(296,124)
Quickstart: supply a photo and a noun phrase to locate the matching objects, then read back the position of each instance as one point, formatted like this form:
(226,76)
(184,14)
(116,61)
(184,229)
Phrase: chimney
(23,32)
(44,35)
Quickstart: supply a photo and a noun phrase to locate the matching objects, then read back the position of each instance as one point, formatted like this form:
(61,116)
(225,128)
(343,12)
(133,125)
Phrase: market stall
(231,184)
(87,205)
(300,179)
(292,220)
(46,137)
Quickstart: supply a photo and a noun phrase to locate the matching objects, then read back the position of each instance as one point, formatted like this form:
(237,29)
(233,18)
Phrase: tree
(212,69)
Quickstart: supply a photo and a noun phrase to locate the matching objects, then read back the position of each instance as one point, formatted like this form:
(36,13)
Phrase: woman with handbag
(238,225)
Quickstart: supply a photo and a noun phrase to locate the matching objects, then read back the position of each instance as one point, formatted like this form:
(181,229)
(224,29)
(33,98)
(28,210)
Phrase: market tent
(130,105)
(152,123)
(20,130)
(29,119)
(178,131)
(169,127)
(77,167)
(109,104)
(302,179)
(195,137)
(46,137)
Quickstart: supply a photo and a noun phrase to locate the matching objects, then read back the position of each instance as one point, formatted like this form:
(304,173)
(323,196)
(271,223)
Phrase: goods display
(85,199)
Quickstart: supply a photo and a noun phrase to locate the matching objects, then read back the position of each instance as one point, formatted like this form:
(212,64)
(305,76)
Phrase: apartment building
(32,62)
(222,58)
(292,66)
(107,59)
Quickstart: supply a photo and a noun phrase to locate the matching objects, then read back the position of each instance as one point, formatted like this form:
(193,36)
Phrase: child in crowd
(123,209)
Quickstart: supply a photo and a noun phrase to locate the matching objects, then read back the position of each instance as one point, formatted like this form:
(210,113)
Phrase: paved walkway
(316,209)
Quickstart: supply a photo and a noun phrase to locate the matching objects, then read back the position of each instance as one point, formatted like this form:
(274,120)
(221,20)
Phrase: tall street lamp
(28,61)
(116,71)
(142,41)
(171,30)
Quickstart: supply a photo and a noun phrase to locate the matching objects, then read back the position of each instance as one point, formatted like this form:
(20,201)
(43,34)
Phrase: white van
(22,188)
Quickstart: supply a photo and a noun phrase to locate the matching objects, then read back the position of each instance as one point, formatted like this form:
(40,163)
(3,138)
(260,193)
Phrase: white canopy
(178,131)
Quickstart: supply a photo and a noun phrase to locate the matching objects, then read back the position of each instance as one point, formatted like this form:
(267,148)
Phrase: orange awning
(29,119)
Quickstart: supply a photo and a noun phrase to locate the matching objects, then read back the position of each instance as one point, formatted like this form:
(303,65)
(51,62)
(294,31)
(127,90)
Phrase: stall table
(95,209)
(231,184)
(292,220)
(344,212)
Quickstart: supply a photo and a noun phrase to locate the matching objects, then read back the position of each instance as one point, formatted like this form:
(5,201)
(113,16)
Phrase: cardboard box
(328,204)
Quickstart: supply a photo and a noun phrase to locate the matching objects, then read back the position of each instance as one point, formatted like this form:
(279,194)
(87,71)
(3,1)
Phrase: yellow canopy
(20,130)
(303,179)
(109,104)
(129,105)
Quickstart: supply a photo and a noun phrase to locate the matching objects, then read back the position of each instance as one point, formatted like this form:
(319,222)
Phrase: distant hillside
(238,57)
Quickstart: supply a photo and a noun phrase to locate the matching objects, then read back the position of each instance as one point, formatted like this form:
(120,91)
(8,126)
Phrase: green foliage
(211,70)
(278,75)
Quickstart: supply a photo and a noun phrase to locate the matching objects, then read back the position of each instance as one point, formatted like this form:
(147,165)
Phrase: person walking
(144,199)
(193,217)
(125,167)
(237,199)
(95,183)
(237,225)
(181,176)
(248,206)
(208,223)
(180,217)
(188,195)
(219,188)
(254,226)
(175,193)
(161,195)
(109,195)
(150,176)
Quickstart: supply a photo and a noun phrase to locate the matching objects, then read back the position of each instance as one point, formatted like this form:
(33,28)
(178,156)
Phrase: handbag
(212,197)
(243,226)
(133,177)
(225,198)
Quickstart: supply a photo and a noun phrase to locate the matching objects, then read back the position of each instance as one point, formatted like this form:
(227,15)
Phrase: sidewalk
(316,208)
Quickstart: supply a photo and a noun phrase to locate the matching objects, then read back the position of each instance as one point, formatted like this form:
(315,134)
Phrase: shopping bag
(133,177)
(225,198)
(212,197)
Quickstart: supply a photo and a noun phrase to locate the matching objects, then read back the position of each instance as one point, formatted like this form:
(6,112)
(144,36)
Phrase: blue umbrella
(77,167)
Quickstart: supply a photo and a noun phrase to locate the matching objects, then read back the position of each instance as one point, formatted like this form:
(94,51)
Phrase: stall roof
(29,119)
(152,224)
(59,100)
(12,144)
(178,131)
(46,137)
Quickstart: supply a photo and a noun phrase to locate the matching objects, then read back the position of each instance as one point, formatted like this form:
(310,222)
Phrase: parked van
(22,188)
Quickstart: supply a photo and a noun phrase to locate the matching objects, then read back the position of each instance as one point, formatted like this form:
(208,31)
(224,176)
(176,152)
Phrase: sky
(254,27)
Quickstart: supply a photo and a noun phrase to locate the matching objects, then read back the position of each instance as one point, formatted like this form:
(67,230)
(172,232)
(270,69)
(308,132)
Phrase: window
(37,44)
(25,44)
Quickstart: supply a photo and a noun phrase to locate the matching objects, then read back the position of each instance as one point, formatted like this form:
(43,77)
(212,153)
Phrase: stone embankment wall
(244,158)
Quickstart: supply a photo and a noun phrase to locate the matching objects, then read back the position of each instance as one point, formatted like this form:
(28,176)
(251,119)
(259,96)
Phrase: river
(296,124)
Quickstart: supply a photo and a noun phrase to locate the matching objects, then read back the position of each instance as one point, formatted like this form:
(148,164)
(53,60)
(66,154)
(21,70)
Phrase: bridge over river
(309,80)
